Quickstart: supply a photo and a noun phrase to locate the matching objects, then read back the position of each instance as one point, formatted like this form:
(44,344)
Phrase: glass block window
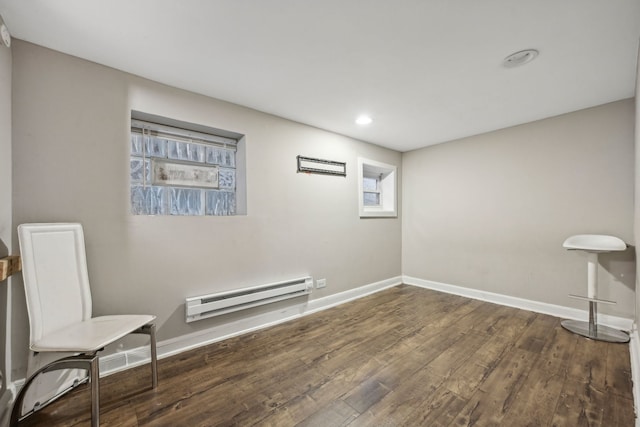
(177,171)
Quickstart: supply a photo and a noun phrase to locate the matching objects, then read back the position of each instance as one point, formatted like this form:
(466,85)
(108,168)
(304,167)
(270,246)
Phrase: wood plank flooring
(401,357)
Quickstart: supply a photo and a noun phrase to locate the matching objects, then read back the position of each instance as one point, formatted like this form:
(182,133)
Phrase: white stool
(593,244)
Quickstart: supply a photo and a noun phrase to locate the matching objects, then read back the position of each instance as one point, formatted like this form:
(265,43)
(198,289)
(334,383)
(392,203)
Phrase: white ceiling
(427,71)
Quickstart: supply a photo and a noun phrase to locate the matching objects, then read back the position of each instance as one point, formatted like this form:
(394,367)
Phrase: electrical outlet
(321,283)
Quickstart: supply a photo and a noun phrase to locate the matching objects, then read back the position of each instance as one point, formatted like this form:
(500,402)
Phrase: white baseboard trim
(350,295)
(634,351)
(123,360)
(616,322)
(120,361)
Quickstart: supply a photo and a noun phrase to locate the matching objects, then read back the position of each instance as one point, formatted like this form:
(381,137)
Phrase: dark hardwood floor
(402,357)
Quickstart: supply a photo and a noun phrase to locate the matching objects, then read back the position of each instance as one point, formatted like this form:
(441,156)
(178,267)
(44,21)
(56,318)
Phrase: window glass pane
(148,200)
(196,152)
(369,184)
(227,178)
(137,170)
(157,147)
(221,156)
(371,199)
(192,197)
(155,200)
(185,201)
(136,144)
(186,151)
(152,147)
(137,200)
(220,203)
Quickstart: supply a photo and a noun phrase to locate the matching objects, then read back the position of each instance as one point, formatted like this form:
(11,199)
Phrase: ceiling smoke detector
(519,58)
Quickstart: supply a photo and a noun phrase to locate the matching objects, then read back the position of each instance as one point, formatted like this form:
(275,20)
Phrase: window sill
(366,213)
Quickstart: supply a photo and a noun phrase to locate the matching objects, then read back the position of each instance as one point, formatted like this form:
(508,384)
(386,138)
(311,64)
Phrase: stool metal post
(593,314)
(591,329)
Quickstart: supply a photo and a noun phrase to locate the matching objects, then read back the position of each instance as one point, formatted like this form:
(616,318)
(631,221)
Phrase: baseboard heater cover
(205,306)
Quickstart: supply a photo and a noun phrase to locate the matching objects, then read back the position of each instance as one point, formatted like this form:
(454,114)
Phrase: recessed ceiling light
(520,58)
(364,120)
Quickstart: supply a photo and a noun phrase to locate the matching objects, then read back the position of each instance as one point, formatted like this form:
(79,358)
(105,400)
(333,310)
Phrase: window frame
(209,141)
(386,177)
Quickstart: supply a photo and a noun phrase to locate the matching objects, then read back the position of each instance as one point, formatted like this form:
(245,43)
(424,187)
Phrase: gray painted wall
(71,151)
(637,194)
(5,209)
(490,212)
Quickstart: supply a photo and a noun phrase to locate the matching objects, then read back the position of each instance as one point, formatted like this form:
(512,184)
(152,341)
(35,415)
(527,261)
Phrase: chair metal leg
(88,362)
(154,356)
(95,392)
(150,330)
(81,361)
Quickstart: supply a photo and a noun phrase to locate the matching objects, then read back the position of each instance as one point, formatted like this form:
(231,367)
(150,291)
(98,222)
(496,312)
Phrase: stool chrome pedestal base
(594,244)
(595,332)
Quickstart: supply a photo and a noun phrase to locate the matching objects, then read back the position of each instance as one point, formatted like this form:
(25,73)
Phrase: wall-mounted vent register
(204,306)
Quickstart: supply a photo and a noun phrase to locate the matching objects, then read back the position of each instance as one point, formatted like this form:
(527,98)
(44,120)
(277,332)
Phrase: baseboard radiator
(202,307)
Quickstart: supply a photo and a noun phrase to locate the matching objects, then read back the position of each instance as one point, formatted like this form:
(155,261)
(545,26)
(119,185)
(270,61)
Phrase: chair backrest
(56,282)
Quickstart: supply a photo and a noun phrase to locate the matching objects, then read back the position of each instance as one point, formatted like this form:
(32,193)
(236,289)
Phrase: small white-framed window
(377,189)
(371,190)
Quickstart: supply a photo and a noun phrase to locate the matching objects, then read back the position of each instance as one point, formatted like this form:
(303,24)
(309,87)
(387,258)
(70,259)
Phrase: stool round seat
(594,244)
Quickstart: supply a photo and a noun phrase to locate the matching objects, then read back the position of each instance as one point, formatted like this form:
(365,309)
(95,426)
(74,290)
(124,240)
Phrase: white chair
(592,245)
(58,298)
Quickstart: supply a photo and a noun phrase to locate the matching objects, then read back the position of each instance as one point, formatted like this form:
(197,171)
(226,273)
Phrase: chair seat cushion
(92,334)
(595,243)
